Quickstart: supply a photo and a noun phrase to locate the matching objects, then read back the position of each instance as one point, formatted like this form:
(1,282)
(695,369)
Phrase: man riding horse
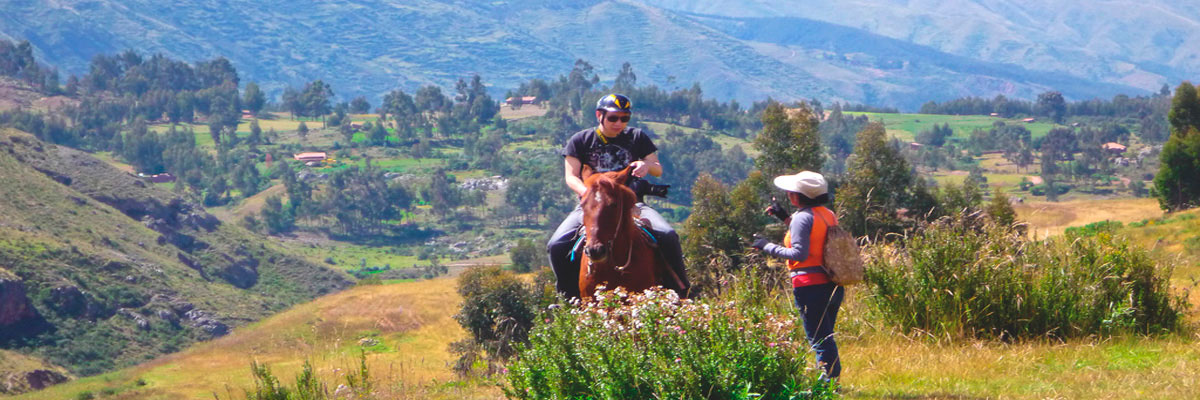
(610,146)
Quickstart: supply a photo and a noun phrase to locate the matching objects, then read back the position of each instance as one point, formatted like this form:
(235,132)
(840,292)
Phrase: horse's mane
(607,182)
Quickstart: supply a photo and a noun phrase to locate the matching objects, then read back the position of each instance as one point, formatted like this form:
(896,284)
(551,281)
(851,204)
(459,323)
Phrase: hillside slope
(405,330)
(99,269)
(1135,43)
(368,47)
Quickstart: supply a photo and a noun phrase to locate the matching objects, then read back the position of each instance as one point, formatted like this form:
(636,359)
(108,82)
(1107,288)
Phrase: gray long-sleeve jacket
(801,230)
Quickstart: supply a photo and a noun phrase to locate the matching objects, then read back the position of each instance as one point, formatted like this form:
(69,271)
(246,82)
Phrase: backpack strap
(822,216)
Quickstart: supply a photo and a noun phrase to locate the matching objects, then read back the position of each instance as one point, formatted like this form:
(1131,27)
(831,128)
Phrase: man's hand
(640,168)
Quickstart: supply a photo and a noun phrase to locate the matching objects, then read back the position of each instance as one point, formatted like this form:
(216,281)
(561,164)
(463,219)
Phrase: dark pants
(818,305)
(563,240)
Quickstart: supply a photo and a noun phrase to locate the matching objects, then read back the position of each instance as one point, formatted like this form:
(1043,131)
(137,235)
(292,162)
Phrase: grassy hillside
(120,271)
(1174,237)
(405,330)
(411,326)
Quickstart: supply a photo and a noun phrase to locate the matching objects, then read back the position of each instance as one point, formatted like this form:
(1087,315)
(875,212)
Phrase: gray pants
(567,271)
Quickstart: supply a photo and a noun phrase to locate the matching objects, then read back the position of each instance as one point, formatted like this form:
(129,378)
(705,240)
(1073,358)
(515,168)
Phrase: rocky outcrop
(141,321)
(18,317)
(28,381)
(14,304)
(203,320)
(70,301)
(39,379)
(243,273)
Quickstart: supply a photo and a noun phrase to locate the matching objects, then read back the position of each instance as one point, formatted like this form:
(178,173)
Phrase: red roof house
(522,100)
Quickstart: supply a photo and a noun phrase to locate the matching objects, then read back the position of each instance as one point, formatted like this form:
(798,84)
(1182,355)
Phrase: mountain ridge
(369,47)
(1136,43)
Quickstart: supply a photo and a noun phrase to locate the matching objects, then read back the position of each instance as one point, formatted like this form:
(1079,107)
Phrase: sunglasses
(614,118)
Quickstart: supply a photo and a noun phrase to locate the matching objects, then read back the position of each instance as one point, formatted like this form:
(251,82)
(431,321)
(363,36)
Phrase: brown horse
(616,252)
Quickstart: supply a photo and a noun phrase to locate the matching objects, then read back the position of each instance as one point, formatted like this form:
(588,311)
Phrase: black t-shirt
(609,154)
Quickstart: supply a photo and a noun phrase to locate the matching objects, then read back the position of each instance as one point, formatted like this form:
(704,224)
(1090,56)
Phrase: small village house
(520,101)
(317,156)
(162,178)
(1113,148)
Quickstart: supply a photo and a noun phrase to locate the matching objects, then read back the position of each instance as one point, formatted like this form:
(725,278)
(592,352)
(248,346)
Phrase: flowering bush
(653,345)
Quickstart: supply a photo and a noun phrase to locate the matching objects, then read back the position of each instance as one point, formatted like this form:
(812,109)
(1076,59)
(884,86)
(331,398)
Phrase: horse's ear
(624,175)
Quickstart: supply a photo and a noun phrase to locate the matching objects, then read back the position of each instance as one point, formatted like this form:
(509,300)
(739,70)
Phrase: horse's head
(606,206)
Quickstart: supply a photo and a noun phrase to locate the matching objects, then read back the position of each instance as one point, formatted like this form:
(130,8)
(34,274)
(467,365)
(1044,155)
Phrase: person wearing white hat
(817,298)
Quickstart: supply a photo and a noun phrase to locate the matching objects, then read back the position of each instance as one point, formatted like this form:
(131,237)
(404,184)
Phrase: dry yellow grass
(882,364)
(413,321)
(1126,368)
(1046,218)
(280,124)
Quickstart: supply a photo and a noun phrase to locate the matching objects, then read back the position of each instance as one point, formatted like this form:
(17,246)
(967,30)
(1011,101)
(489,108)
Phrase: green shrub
(525,255)
(961,281)
(652,345)
(1095,228)
(497,311)
(1040,190)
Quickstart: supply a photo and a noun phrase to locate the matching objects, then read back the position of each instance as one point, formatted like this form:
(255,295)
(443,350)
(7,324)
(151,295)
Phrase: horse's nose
(597,252)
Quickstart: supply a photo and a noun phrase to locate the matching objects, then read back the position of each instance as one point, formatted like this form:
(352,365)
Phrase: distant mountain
(878,52)
(100,269)
(1142,43)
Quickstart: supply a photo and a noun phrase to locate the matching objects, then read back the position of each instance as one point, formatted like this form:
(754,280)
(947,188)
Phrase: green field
(348,256)
(906,126)
(725,141)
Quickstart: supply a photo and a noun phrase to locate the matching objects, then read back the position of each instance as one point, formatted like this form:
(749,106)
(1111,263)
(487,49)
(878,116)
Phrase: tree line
(1149,112)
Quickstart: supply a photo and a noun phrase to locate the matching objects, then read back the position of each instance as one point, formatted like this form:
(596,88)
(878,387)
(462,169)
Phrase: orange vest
(816,249)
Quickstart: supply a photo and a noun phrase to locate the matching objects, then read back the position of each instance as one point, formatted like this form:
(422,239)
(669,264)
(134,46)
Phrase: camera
(643,188)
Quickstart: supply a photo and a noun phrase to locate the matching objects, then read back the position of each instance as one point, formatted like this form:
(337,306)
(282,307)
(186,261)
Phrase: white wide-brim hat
(808,183)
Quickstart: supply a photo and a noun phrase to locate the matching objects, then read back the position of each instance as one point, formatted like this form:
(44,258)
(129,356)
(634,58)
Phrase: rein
(629,258)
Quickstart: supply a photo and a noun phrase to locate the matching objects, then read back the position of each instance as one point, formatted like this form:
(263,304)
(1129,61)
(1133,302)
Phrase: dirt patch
(457,267)
(524,112)
(306,239)
(16,94)
(55,104)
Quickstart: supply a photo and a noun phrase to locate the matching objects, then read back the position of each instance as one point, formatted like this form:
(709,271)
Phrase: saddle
(643,227)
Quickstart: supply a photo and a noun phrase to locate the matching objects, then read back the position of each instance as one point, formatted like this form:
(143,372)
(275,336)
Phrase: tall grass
(308,386)
(652,345)
(958,279)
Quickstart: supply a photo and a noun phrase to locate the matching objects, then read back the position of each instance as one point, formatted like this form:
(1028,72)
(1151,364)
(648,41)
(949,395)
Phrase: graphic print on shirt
(608,157)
